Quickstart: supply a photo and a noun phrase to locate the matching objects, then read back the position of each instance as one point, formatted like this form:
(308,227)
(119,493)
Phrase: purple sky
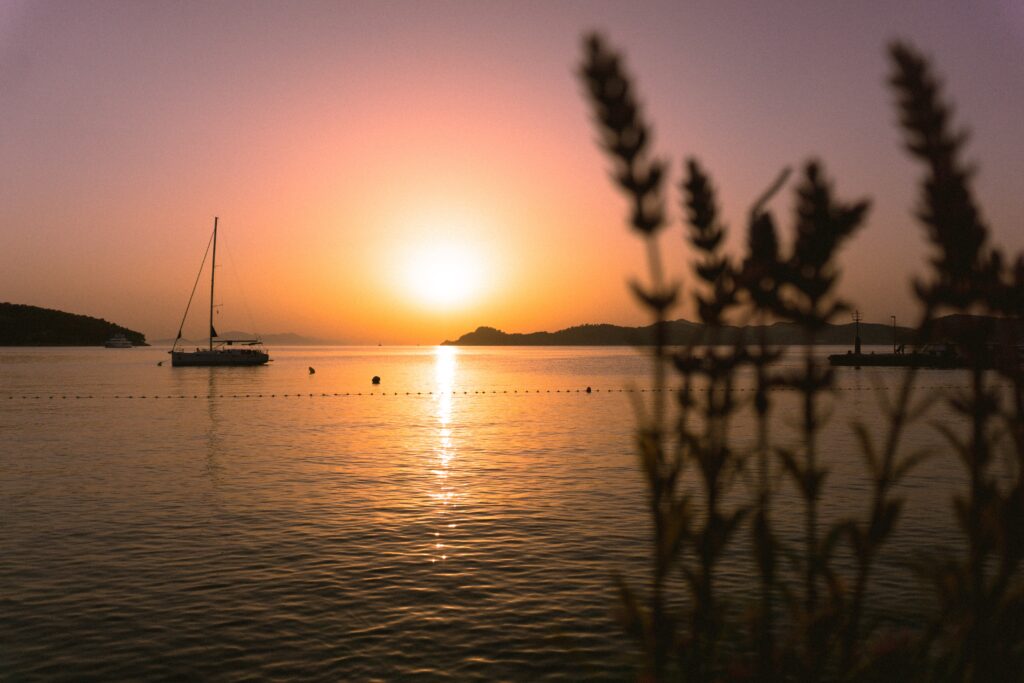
(311,127)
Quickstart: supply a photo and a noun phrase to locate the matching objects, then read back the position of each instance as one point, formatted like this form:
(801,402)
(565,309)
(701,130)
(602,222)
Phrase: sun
(445,276)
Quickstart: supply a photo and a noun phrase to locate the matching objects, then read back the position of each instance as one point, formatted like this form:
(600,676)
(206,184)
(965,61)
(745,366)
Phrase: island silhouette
(23,325)
(685,332)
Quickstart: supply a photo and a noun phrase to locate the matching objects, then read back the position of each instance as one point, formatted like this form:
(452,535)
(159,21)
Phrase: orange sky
(348,148)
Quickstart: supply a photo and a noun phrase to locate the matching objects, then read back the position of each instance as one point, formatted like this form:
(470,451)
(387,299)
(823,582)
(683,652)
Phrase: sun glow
(445,275)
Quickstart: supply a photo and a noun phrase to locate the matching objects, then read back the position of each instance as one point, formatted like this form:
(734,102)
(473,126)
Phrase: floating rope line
(466,392)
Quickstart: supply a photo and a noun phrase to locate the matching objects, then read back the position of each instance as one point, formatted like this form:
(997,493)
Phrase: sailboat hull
(219,357)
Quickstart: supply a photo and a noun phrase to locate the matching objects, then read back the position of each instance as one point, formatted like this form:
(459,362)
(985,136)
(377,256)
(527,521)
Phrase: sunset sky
(402,172)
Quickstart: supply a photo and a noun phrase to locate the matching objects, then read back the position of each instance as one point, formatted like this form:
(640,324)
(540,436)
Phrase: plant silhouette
(709,498)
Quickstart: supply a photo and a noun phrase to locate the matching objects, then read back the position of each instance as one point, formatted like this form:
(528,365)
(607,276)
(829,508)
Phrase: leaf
(882,524)
(904,466)
(655,300)
(790,465)
(764,545)
(857,539)
(868,449)
(729,525)
(959,446)
(835,532)
(631,614)
(766,196)
(676,529)
(649,448)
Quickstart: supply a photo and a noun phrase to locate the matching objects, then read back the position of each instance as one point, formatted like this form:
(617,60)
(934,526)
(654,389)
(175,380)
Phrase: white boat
(118,341)
(219,351)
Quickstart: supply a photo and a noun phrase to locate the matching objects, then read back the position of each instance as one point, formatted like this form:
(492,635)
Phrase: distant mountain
(292,339)
(280,339)
(681,332)
(22,325)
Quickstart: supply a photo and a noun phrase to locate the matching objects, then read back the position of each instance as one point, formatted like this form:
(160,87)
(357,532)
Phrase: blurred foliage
(809,621)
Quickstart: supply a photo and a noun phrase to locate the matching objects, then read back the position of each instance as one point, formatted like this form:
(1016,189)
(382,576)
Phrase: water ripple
(440,536)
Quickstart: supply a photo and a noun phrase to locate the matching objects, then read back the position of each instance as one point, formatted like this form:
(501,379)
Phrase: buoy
(311,370)
(375,380)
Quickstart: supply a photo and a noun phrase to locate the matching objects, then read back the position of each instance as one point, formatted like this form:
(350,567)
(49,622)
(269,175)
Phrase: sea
(464,519)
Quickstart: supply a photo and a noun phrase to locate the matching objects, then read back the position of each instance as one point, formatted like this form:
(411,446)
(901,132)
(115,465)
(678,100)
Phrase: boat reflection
(445,366)
(213,432)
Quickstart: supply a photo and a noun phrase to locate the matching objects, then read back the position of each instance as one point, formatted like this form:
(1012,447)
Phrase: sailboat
(219,351)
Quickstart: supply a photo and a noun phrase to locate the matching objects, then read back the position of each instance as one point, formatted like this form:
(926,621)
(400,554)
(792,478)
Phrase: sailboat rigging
(220,351)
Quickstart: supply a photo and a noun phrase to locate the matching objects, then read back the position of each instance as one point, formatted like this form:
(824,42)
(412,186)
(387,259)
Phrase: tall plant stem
(898,419)
(977,536)
(765,638)
(662,493)
(811,495)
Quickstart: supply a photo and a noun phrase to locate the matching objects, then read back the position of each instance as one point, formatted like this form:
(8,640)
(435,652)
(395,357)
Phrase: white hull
(118,341)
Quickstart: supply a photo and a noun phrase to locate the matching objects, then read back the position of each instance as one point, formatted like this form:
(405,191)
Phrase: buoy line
(465,392)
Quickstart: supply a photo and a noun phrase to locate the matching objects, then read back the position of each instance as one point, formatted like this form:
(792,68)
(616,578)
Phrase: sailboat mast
(213,271)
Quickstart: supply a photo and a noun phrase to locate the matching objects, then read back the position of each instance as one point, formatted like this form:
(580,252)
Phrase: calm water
(446,524)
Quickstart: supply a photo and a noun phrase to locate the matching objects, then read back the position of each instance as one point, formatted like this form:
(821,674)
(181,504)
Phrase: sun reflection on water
(445,365)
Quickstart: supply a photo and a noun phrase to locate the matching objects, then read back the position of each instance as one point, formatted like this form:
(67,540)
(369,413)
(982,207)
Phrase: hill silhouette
(682,332)
(23,325)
